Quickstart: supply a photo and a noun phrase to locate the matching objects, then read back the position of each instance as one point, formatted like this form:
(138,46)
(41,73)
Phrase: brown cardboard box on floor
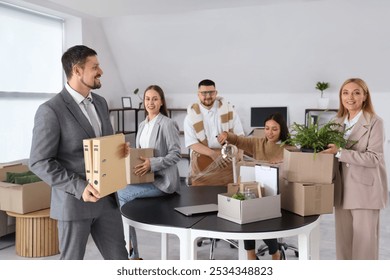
(25,198)
(307,199)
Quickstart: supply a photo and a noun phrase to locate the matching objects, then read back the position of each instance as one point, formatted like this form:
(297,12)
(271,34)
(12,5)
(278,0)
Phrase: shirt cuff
(338,155)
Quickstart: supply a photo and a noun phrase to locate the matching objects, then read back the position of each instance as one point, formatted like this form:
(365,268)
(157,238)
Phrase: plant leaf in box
(315,137)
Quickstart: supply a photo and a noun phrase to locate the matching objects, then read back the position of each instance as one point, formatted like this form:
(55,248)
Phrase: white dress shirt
(78,98)
(144,139)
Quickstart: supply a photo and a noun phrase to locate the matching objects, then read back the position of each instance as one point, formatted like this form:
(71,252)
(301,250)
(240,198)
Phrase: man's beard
(95,85)
(208,103)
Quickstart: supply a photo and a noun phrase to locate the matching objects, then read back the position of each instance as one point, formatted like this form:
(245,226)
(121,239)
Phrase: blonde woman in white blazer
(361,192)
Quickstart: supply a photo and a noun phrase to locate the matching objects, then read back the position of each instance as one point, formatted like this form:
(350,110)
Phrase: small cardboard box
(257,209)
(307,199)
(248,211)
(22,199)
(307,167)
(135,155)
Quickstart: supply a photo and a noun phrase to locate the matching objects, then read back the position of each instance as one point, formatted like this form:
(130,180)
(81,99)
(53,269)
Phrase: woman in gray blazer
(161,133)
(361,191)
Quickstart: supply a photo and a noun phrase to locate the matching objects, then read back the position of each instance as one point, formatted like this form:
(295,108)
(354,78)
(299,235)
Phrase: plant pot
(307,150)
(311,150)
(323,103)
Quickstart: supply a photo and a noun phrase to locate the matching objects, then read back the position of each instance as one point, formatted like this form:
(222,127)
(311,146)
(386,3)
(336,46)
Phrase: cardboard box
(135,155)
(307,199)
(22,199)
(248,211)
(307,167)
(257,209)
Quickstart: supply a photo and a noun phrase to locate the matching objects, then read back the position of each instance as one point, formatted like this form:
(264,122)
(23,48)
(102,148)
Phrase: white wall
(260,55)
(265,54)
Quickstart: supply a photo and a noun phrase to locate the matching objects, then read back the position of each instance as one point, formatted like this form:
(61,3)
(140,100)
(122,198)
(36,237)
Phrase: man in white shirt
(204,121)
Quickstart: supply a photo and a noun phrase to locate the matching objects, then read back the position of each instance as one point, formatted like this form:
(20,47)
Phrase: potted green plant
(321,86)
(141,101)
(314,138)
(323,102)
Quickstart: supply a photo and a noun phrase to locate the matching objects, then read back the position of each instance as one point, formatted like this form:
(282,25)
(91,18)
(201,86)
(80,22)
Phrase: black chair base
(283,247)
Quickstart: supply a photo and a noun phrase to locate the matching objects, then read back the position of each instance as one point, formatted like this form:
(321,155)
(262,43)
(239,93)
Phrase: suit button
(347,164)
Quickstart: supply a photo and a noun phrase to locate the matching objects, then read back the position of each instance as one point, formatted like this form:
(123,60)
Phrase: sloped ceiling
(112,8)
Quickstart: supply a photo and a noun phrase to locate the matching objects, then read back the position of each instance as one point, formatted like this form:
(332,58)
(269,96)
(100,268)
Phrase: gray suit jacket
(364,180)
(167,153)
(57,154)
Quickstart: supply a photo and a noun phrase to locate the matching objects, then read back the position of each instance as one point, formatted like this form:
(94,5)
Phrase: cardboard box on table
(25,198)
(307,167)
(106,168)
(307,199)
(257,209)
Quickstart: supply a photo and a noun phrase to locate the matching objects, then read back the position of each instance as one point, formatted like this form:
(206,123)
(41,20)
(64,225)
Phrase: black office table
(158,215)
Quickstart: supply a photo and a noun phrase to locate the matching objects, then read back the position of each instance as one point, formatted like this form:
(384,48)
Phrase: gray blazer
(167,153)
(364,180)
(57,154)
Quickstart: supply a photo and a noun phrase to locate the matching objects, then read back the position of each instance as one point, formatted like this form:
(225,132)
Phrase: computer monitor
(260,114)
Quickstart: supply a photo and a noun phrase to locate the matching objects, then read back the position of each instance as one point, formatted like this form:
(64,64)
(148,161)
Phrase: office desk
(158,215)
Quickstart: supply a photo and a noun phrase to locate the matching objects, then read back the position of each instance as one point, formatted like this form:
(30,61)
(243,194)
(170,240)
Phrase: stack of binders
(106,168)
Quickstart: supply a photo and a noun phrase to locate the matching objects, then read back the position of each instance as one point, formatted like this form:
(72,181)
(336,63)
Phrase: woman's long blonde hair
(367,104)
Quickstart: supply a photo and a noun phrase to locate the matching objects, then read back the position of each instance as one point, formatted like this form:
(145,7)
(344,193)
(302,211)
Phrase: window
(30,53)
(31,48)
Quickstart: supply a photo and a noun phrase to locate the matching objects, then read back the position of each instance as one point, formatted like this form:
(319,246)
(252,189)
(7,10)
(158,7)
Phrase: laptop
(197,209)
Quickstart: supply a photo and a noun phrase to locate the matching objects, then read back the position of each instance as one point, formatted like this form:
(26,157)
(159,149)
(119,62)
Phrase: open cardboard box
(22,199)
(257,209)
(307,167)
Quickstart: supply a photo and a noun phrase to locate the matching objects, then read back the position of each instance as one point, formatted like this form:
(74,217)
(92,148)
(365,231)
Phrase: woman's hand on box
(142,168)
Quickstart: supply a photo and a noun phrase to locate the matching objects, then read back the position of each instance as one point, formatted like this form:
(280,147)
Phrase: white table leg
(242,255)
(303,246)
(164,246)
(315,243)
(186,249)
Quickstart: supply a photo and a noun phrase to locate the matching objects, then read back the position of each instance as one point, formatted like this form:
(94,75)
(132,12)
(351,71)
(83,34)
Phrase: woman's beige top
(258,148)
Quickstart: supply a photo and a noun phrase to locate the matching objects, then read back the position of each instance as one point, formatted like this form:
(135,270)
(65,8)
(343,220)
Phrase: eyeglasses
(205,93)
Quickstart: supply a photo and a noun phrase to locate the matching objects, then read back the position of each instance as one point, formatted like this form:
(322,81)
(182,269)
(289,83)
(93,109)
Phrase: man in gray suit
(57,158)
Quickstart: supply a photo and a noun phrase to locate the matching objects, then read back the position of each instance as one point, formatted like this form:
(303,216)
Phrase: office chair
(213,244)
(283,247)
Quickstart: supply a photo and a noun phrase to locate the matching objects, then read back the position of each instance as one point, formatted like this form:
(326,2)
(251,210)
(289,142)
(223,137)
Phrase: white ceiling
(112,8)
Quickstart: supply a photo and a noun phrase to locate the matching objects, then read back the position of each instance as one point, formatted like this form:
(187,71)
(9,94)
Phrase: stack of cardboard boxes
(307,183)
